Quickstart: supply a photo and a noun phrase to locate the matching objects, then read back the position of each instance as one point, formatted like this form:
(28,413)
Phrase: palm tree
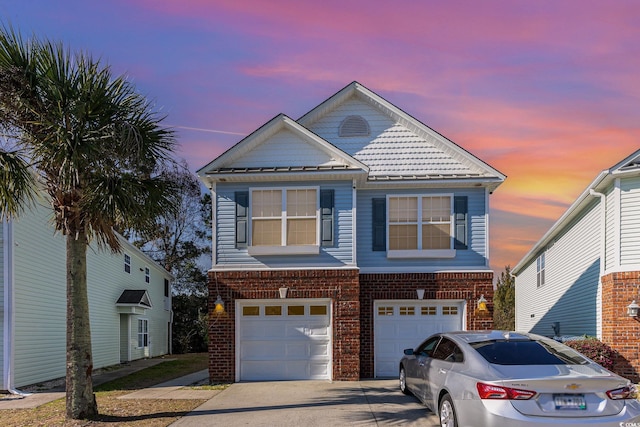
(94,146)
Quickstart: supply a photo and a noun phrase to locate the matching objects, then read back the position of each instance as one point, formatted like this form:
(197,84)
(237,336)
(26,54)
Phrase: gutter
(569,215)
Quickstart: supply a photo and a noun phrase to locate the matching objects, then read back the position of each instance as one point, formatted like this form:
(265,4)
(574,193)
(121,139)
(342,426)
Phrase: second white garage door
(283,340)
(405,324)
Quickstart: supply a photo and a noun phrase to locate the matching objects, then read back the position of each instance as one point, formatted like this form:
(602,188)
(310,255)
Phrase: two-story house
(341,238)
(584,273)
(129,302)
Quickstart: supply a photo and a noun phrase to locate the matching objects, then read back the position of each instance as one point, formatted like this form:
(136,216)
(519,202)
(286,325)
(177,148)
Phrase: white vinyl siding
(3,312)
(612,230)
(572,274)
(40,302)
(630,222)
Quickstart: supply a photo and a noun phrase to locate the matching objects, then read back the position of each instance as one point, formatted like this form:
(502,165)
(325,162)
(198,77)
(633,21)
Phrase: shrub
(594,349)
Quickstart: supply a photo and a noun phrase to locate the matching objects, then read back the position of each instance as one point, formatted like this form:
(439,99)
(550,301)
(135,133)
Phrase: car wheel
(447,412)
(403,381)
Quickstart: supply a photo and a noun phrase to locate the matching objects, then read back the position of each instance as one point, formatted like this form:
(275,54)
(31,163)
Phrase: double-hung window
(284,221)
(420,226)
(127,264)
(143,333)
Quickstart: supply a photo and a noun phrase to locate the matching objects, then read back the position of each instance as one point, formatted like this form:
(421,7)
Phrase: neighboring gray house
(580,278)
(129,303)
(340,239)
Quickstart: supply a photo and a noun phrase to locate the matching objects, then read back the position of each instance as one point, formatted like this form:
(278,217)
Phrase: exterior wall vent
(354,126)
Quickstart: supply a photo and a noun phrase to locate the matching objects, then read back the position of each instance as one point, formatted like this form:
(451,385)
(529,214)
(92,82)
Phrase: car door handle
(442,371)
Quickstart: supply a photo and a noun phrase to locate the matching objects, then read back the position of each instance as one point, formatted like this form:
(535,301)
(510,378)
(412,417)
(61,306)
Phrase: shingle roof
(134,297)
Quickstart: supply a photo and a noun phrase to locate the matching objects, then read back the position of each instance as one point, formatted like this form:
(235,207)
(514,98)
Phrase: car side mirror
(408,352)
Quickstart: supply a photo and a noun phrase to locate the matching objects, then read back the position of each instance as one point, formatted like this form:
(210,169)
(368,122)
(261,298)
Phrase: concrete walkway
(175,389)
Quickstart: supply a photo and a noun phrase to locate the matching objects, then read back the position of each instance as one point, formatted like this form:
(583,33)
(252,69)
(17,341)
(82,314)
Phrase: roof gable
(382,144)
(281,145)
(400,146)
(134,297)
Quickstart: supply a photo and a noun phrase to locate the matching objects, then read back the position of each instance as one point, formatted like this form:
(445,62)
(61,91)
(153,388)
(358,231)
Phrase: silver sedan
(498,378)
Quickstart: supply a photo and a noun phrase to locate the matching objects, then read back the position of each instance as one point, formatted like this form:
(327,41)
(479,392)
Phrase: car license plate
(570,401)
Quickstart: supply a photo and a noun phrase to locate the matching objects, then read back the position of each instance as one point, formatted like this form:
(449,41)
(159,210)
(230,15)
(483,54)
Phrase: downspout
(354,214)
(486,205)
(8,320)
(214,243)
(603,255)
(603,227)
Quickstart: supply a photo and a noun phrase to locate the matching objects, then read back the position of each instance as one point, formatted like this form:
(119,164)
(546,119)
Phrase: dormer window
(354,126)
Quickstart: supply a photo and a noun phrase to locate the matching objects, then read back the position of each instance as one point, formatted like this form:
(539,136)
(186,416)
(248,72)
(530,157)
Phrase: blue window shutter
(460,213)
(379,220)
(242,218)
(326,217)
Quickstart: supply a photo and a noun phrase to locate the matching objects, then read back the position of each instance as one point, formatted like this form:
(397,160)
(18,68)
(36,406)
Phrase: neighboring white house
(585,271)
(129,303)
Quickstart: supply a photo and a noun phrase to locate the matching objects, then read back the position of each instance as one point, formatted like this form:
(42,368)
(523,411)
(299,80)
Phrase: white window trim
(138,333)
(541,267)
(283,249)
(423,253)
(147,275)
(127,264)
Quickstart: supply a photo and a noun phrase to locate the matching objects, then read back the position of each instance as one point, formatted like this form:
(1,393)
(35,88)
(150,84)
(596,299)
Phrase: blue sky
(545,91)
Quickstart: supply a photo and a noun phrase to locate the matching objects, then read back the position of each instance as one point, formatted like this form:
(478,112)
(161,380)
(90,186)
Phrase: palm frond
(17,184)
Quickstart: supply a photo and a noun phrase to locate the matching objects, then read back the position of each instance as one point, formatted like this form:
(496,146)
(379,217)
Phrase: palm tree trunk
(81,402)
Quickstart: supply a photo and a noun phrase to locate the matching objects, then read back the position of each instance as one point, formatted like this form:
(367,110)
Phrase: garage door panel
(318,330)
(296,350)
(319,370)
(320,349)
(293,344)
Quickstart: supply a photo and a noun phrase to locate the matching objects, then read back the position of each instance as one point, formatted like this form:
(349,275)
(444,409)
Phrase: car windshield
(526,352)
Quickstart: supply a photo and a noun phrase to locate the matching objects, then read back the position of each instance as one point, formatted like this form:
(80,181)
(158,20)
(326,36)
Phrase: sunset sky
(547,92)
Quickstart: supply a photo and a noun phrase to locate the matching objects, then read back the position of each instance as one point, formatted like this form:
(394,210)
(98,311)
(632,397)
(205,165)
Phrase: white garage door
(283,340)
(405,324)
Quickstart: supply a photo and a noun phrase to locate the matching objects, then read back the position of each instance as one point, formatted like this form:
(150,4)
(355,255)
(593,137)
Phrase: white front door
(284,339)
(405,324)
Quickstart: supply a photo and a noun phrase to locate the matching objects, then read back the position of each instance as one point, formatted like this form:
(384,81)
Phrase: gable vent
(354,126)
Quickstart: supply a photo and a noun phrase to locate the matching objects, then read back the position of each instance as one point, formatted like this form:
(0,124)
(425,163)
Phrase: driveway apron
(309,404)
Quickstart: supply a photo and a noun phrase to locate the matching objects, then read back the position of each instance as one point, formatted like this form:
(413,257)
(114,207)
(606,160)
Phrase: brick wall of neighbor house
(341,286)
(620,331)
(466,286)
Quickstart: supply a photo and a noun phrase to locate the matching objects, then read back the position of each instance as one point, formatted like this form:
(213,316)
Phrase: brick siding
(341,286)
(352,296)
(619,331)
(403,286)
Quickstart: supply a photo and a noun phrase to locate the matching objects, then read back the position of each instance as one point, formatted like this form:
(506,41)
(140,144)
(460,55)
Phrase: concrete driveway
(311,403)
